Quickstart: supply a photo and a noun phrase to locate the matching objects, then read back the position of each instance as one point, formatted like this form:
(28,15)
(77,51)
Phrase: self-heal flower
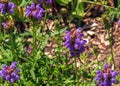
(7,7)
(2,7)
(74,42)
(4,24)
(10,73)
(11,7)
(49,1)
(34,10)
(9,24)
(106,76)
(45,1)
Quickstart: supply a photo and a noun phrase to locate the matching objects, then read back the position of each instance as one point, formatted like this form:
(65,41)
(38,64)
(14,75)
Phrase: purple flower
(106,66)
(34,11)
(11,7)
(119,23)
(2,7)
(41,1)
(46,1)
(49,1)
(106,76)
(74,42)
(7,8)
(4,24)
(10,73)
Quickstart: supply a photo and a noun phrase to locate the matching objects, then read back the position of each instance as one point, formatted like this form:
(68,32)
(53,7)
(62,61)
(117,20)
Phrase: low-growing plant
(37,50)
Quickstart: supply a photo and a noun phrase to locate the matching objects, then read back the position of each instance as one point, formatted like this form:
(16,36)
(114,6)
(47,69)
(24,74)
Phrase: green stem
(97,59)
(71,19)
(74,84)
(16,2)
(73,5)
(12,45)
(88,10)
(34,48)
(111,49)
(79,22)
(81,61)
(107,26)
(34,41)
(76,74)
(118,3)
(45,17)
(96,54)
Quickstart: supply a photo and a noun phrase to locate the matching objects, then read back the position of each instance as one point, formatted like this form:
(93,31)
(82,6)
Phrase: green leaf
(25,2)
(32,73)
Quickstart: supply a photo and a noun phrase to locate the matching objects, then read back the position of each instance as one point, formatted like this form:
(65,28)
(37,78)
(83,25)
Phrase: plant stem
(76,74)
(95,50)
(73,5)
(34,48)
(118,3)
(111,50)
(45,17)
(79,22)
(81,61)
(12,45)
(97,59)
(34,42)
(107,26)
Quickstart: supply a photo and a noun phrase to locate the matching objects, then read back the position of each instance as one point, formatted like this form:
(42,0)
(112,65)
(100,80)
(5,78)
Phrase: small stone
(89,37)
(7,40)
(85,34)
(95,42)
(102,38)
(107,43)
(90,33)
(94,24)
(101,46)
(93,28)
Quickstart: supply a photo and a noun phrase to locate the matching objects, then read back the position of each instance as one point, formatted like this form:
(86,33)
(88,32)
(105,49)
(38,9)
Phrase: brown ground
(96,36)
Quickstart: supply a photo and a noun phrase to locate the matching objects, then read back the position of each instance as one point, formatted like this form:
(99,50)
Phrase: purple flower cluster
(106,76)
(74,42)
(7,8)
(34,10)
(10,73)
(119,22)
(48,1)
(8,24)
(4,24)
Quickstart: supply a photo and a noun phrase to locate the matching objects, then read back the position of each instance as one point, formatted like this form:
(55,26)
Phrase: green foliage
(113,13)
(78,9)
(63,2)
(39,69)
